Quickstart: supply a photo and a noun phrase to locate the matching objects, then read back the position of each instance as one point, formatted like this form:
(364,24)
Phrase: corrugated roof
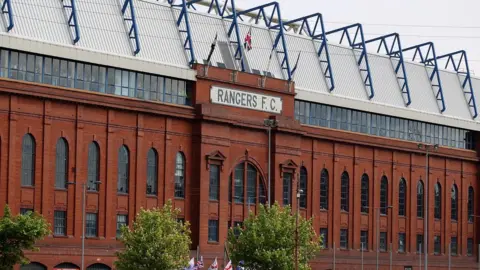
(104,30)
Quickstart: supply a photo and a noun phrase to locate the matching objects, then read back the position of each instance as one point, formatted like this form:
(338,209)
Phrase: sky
(451,25)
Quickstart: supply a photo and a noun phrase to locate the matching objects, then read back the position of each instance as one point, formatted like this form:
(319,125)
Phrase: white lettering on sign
(247,100)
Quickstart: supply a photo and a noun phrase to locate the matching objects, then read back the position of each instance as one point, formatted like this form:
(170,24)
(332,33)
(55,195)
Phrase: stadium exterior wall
(211,134)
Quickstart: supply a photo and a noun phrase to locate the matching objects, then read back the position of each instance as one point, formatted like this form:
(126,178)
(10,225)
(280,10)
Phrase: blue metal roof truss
(391,46)
(429,59)
(8,12)
(268,19)
(232,30)
(460,65)
(313,27)
(183,17)
(357,42)
(128,13)
(71,11)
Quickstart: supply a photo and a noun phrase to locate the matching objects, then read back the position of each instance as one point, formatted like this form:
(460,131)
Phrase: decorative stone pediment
(216,158)
(288,166)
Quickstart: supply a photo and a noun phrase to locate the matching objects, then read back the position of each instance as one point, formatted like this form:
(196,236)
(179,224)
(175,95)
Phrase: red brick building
(136,132)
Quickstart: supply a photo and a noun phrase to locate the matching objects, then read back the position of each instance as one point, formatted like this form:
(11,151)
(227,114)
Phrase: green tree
(17,234)
(267,240)
(157,241)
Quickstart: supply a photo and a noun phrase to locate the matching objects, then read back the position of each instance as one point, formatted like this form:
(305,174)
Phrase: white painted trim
(368,106)
(95,57)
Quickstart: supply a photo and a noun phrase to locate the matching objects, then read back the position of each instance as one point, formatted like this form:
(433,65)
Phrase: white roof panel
(453,96)
(385,83)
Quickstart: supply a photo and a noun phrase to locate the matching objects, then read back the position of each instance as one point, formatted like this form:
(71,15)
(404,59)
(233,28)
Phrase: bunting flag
(191,265)
(214,265)
(247,43)
(228,266)
(240,265)
(200,263)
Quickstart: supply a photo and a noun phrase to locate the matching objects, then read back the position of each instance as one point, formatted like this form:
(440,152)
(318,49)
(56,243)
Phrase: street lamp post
(299,192)
(428,148)
(270,123)
(84,200)
(378,230)
(478,246)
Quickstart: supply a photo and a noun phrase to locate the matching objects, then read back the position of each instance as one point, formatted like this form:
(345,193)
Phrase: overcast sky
(451,24)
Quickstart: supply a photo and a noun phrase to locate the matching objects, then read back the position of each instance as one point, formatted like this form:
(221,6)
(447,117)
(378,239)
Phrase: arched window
(402,197)
(180,175)
(123,172)
(33,266)
(61,164)
(438,201)
(98,266)
(152,171)
(28,160)
(454,203)
(470,204)
(66,265)
(364,194)
(303,187)
(246,173)
(383,195)
(420,199)
(344,192)
(324,189)
(93,170)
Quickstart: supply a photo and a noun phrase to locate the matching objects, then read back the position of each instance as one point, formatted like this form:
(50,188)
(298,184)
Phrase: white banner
(244,99)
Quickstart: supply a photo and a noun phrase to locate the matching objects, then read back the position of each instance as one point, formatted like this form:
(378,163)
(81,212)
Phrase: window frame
(364,194)
(179,177)
(344,192)
(93,169)
(437,242)
(59,226)
(61,163)
(287,188)
(383,242)
(324,231)
(402,242)
(324,189)
(383,195)
(28,160)
(437,201)
(152,172)
(304,187)
(420,199)
(89,227)
(454,203)
(454,245)
(471,204)
(344,242)
(364,240)
(214,182)
(402,197)
(213,228)
(121,223)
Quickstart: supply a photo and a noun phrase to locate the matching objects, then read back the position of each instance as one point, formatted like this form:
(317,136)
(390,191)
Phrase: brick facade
(213,134)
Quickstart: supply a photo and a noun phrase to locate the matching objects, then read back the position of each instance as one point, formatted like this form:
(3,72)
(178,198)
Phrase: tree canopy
(157,241)
(267,240)
(19,233)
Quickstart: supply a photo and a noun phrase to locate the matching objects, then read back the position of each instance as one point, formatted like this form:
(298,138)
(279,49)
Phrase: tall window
(420,199)
(60,223)
(324,189)
(180,176)
(438,201)
(383,195)
(344,192)
(123,160)
(364,240)
(470,204)
(401,242)
(303,187)
(28,160)
(453,245)
(383,241)
(420,246)
(469,246)
(91,225)
(343,238)
(324,235)
(122,220)
(251,184)
(61,164)
(213,230)
(287,188)
(214,182)
(246,174)
(93,166)
(454,203)
(402,197)
(152,172)
(436,245)
(364,194)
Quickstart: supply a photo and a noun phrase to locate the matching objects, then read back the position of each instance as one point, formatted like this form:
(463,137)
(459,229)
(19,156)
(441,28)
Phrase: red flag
(247,44)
